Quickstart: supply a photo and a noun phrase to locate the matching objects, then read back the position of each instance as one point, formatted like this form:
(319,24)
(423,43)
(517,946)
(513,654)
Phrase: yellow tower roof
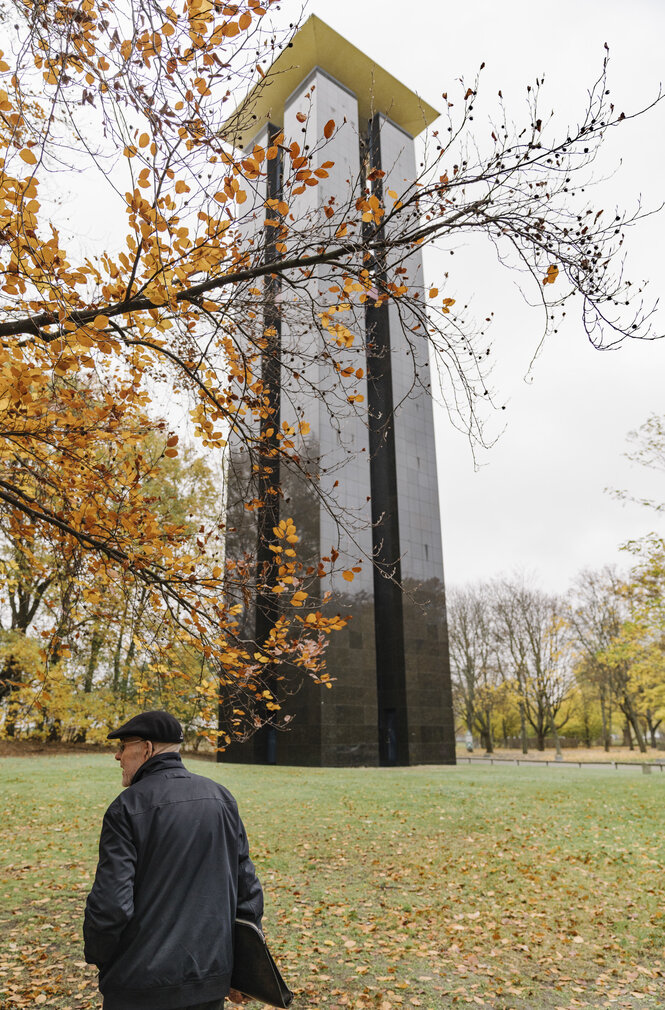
(316,44)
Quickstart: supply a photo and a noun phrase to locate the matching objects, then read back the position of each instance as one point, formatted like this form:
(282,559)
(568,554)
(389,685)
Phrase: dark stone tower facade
(391,700)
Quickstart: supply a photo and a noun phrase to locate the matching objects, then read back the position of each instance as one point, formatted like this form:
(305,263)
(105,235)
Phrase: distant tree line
(531,665)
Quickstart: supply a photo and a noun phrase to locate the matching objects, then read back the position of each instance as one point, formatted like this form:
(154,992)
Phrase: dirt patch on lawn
(45,748)
(42,748)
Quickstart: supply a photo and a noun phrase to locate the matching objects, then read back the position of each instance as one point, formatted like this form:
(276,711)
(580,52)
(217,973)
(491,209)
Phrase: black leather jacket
(173,872)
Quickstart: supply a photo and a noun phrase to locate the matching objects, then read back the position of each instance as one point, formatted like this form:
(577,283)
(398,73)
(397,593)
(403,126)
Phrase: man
(173,873)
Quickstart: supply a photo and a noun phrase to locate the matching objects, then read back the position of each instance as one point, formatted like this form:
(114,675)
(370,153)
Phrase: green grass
(513,888)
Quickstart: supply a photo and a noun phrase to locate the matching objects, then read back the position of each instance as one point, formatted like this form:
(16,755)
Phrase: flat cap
(162,727)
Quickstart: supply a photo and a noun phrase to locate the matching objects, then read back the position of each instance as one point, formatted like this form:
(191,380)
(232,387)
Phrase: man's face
(132,752)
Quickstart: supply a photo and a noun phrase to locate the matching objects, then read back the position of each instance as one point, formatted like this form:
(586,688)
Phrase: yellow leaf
(28,157)
(433,292)
(144,140)
(348,575)
(100,322)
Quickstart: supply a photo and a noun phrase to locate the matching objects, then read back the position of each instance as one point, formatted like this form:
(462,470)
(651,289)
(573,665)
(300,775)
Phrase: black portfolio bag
(255,974)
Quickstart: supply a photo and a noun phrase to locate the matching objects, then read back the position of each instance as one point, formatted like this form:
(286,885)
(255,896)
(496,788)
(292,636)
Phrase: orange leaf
(28,157)
(329,129)
(348,575)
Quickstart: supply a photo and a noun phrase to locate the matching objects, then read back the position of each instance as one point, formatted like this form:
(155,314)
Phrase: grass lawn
(517,888)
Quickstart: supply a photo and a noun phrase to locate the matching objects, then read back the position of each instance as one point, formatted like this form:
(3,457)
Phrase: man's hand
(237,997)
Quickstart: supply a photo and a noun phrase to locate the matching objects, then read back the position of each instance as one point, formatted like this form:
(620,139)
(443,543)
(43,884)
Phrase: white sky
(537,502)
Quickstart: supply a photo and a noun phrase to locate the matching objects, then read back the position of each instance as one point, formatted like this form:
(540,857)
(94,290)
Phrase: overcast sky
(537,502)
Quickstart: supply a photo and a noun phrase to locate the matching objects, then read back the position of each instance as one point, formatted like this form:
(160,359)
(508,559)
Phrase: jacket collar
(158,763)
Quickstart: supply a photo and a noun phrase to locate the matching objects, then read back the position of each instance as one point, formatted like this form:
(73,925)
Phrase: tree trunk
(129,657)
(632,722)
(525,742)
(10,681)
(95,645)
(637,729)
(117,653)
(653,727)
(603,715)
(628,736)
(557,742)
(469,723)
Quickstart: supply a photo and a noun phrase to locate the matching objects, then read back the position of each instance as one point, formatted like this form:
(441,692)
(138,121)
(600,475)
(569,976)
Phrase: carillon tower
(391,701)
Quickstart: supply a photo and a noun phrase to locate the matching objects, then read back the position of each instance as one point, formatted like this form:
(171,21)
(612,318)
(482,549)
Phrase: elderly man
(173,873)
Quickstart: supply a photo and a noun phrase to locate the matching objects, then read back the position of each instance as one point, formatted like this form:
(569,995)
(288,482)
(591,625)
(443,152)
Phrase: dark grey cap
(158,726)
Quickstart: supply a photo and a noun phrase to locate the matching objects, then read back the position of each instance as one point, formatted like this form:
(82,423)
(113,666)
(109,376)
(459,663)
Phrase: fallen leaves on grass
(385,890)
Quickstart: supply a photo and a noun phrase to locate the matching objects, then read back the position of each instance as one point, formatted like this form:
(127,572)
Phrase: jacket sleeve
(250,893)
(110,904)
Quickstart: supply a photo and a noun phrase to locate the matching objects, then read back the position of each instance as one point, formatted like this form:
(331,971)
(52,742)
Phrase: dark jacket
(173,872)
